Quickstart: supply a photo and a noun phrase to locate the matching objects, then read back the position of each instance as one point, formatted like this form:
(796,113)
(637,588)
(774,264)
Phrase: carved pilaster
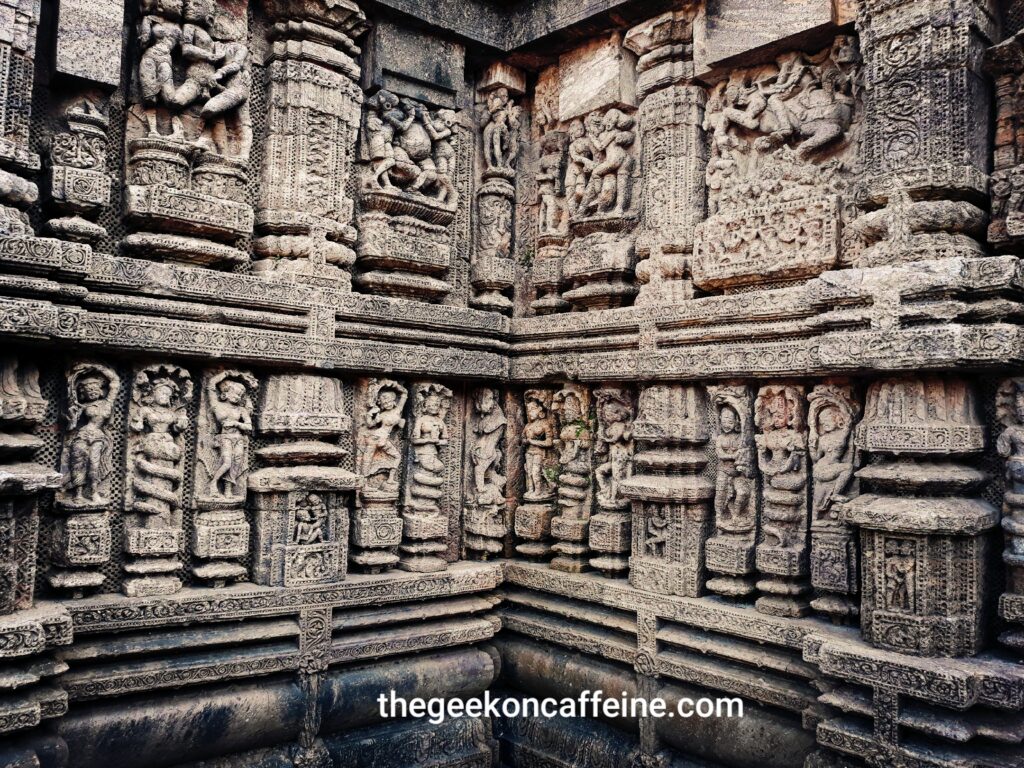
(1010,445)
(83,541)
(484,518)
(304,215)
(79,184)
(924,544)
(730,552)
(552,222)
(614,448)
(671,500)
(424,517)
(782,554)
(673,155)
(376,527)
(157,421)
(574,443)
(220,535)
(832,415)
(300,500)
(540,472)
(493,270)
(929,170)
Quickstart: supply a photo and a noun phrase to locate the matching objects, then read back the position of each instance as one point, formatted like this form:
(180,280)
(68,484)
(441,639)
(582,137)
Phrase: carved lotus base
(731,586)
(218,574)
(570,557)
(373,560)
(402,256)
(76,583)
(482,548)
(76,229)
(533,523)
(611,566)
(610,533)
(783,597)
(181,249)
(536,551)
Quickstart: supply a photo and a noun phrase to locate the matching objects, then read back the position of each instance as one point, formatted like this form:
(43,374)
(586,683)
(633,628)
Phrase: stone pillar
(673,155)
(540,471)
(220,534)
(610,527)
(300,500)
(671,500)
(424,513)
(1010,445)
(376,526)
(574,443)
(493,270)
(730,551)
(87,466)
(157,422)
(552,222)
(304,215)
(924,545)
(928,166)
(782,550)
(483,518)
(832,415)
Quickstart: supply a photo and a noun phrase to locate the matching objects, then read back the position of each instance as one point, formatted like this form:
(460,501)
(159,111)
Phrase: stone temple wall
(660,347)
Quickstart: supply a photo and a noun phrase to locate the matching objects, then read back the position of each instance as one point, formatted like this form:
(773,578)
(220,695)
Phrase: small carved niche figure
(159,417)
(900,566)
(1010,445)
(310,520)
(551,167)
(608,185)
(615,443)
(831,417)
(734,484)
(379,456)
(539,437)
(500,118)
(582,151)
(225,430)
(86,462)
(782,457)
(485,454)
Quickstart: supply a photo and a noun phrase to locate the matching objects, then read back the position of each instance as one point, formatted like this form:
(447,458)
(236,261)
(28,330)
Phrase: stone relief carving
(1010,445)
(425,523)
(609,537)
(377,528)
(832,414)
(540,471)
(783,145)
(782,556)
(79,183)
(730,552)
(574,445)
(157,421)
(409,197)
(484,515)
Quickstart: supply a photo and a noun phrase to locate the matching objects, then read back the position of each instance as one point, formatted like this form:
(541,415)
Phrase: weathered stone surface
(689,319)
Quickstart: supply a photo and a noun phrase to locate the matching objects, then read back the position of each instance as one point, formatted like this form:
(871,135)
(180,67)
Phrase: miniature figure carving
(225,432)
(782,458)
(549,184)
(485,455)
(615,442)
(379,457)
(608,186)
(161,394)
(831,448)
(734,485)
(539,437)
(500,118)
(310,520)
(581,162)
(87,460)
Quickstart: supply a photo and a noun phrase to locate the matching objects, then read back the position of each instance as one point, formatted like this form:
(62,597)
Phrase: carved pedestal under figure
(671,501)
(1010,445)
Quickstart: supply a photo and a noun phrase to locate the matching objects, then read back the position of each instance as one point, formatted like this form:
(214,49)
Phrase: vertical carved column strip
(484,513)
(424,512)
(614,447)
(783,550)
(304,216)
(540,472)
(671,500)
(832,415)
(673,155)
(83,540)
(493,269)
(575,444)
(1010,445)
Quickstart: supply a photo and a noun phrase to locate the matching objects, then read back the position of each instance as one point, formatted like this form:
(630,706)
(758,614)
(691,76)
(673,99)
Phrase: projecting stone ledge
(114,612)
